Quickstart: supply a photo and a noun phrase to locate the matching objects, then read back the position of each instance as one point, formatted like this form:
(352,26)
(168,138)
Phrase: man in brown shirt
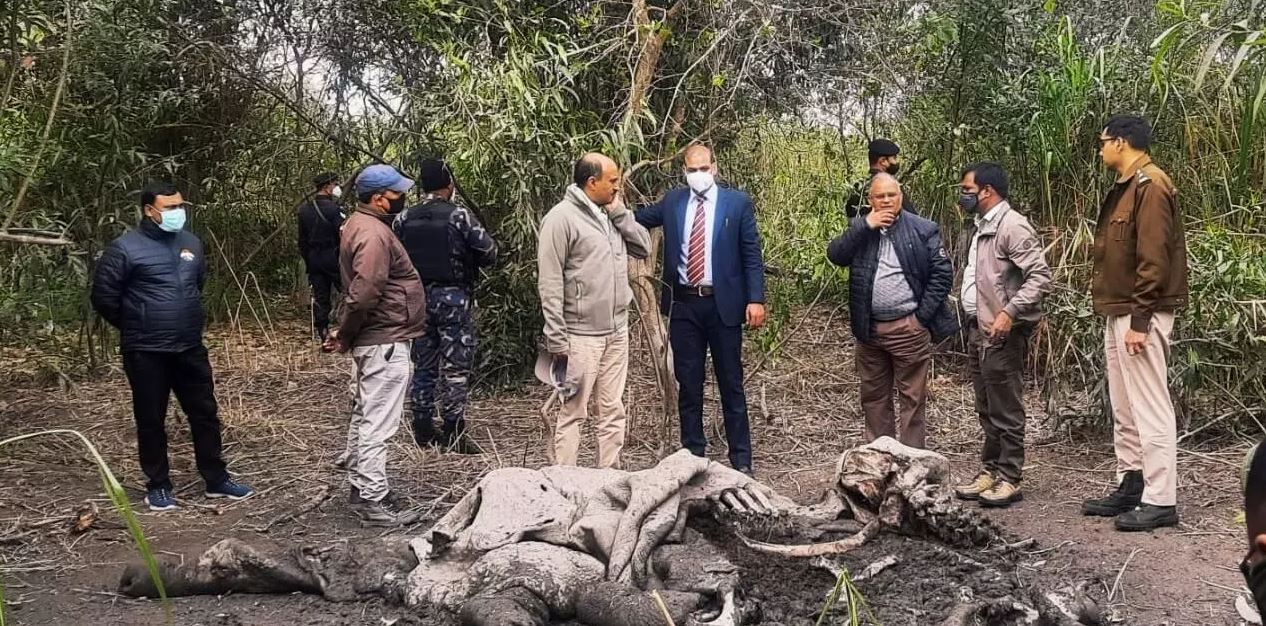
(1140,279)
(384,309)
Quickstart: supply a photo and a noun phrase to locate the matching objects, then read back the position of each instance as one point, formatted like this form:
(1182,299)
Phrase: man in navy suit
(714,281)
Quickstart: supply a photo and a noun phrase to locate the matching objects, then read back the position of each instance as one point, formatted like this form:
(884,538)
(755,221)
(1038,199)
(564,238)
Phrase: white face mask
(336,191)
(700,181)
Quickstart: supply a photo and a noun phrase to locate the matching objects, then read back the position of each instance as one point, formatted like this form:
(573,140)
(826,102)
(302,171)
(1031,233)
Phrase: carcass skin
(527,546)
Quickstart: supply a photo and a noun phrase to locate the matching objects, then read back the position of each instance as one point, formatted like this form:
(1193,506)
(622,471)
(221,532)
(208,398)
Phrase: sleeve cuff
(1141,322)
(1012,311)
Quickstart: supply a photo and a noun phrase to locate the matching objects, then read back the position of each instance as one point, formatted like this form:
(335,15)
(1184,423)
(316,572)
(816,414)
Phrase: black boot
(1147,517)
(319,333)
(423,431)
(456,440)
(1128,495)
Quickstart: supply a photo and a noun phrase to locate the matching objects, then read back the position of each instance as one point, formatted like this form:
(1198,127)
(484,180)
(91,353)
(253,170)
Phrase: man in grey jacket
(1001,297)
(585,244)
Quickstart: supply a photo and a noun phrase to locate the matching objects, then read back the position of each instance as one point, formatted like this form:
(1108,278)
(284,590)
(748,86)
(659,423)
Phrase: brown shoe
(1001,495)
(983,482)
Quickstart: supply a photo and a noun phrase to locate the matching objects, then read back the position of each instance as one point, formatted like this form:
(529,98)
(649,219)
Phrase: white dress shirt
(710,208)
(969,274)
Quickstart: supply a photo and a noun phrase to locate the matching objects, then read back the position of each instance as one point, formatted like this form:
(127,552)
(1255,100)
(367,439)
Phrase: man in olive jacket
(583,256)
(1140,280)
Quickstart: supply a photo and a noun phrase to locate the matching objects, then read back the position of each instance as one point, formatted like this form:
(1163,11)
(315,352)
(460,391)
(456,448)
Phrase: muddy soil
(284,414)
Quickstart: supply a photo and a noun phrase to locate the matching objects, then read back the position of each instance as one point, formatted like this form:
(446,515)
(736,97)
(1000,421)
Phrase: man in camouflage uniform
(884,157)
(447,246)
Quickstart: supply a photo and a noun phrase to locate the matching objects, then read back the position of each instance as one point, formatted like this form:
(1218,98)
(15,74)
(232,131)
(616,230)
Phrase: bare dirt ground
(284,410)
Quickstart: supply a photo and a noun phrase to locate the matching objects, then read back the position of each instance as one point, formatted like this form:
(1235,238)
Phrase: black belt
(699,291)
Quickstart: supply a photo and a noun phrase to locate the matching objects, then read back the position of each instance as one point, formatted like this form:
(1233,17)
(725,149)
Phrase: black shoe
(1147,517)
(354,499)
(1128,495)
(456,440)
(320,333)
(746,470)
(423,431)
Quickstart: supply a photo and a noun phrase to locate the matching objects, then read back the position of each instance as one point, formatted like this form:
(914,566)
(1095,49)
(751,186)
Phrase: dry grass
(284,409)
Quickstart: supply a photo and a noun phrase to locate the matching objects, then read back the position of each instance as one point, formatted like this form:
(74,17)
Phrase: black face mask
(397,205)
(968,201)
(893,168)
(1255,576)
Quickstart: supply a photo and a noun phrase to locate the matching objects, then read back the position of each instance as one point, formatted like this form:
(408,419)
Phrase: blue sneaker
(229,489)
(160,500)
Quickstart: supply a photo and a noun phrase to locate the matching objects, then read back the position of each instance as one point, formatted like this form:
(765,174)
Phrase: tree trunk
(646,285)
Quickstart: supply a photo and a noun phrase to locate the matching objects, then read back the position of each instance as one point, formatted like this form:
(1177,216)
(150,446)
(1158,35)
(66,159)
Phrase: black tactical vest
(431,244)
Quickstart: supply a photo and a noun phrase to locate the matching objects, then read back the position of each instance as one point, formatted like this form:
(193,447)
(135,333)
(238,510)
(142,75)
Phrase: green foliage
(859,612)
(242,106)
(1037,109)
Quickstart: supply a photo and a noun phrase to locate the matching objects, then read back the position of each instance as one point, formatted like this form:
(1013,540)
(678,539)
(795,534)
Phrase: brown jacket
(1140,252)
(1011,270)
(383,299)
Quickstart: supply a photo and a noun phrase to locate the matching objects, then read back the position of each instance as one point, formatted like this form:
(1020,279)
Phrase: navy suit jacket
(738,269)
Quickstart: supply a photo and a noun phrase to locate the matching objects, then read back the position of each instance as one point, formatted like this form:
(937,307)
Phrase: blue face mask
(173,220)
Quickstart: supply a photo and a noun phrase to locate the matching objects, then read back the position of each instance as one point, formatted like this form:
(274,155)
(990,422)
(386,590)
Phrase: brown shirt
(383,299)
(1140,251)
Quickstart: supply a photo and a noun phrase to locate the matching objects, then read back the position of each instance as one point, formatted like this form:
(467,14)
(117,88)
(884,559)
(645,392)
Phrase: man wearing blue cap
(384,309)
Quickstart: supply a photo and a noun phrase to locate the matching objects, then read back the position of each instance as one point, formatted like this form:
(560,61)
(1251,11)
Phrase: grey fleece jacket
(583,270)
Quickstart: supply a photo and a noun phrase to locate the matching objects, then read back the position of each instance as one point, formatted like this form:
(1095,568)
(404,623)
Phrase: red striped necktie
(695,256)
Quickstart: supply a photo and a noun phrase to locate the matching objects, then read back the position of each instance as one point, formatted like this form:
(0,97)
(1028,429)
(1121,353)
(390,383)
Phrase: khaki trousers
(1145,428)
(899,352)
(601,366)
(382,379)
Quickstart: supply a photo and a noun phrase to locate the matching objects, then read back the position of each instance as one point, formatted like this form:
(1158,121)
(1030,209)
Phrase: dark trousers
(694,328)
(898,354)
(153,377)
(445,353)
(997,378)
(323,284)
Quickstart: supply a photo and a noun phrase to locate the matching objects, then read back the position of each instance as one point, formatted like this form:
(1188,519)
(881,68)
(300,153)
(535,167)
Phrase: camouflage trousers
(443,357)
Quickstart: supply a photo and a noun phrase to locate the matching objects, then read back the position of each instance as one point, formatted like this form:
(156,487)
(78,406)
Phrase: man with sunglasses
(148,284)
(1139,281)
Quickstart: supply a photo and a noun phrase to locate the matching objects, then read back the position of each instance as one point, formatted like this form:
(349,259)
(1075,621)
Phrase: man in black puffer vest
(148,284)
(319,221)
(447,246)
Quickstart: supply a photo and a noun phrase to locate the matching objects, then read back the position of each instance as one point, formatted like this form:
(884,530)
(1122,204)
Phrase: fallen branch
(6,235)
(1117,583)
(307,507)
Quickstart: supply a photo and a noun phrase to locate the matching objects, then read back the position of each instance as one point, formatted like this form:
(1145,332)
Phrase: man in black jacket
(319,222)
(447,245)
(899,278)
(148,284)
